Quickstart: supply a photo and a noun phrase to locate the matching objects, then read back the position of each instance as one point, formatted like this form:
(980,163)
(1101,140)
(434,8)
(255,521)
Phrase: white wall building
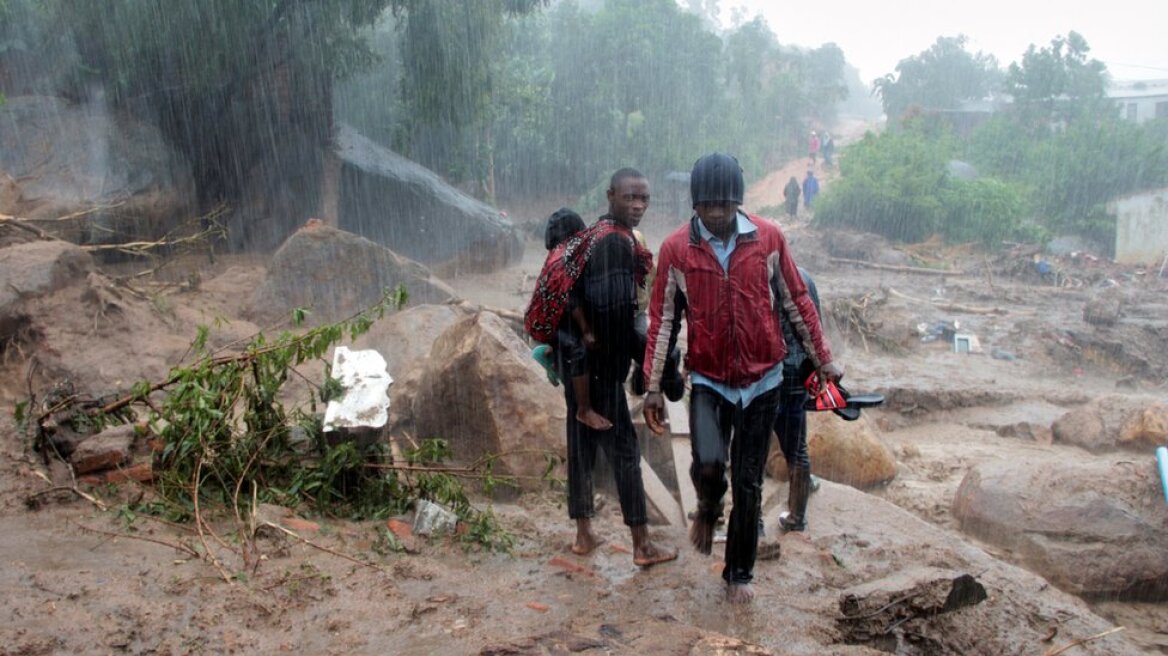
(1141,227)
(1140,101)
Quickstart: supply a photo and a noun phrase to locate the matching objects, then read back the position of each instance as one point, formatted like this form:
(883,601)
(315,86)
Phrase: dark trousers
(791,421)
(620,448)
(724,432)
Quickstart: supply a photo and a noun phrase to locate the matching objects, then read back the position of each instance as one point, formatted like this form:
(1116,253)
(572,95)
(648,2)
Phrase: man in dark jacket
(607,291)
(730,274)
(791,422)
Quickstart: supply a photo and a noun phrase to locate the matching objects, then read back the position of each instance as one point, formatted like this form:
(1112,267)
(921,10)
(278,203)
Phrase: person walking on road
(729,274)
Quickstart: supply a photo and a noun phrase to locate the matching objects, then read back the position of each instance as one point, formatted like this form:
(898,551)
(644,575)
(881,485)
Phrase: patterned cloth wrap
(564,266)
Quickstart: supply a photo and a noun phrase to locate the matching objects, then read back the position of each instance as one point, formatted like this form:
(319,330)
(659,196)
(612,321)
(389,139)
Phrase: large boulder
(408,208)
(1111,422)
(60,158)
(36,268)
(405,338)
(848,452)
(482,392)
(859,539)
(30,269)
(334,274)
(1093,527)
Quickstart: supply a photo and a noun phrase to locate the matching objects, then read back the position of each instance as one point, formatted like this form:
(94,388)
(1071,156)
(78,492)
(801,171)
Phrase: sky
(1130,37)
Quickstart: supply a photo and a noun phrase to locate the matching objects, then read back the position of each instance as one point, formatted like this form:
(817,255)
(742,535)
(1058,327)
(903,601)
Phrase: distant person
(571,352)
(728,274)
(810,189)
(606,289)
(813,147)
(828,150)
(791,197)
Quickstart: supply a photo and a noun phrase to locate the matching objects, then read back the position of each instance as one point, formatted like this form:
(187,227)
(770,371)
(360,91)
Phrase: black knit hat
(716,178)
(561,225)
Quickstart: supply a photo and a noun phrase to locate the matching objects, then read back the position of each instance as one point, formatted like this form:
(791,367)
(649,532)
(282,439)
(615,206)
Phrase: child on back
(572,353)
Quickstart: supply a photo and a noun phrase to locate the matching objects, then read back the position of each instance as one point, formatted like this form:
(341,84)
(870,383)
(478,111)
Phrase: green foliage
(1068,176)
(983,210)
(1058,83)
(890,185)
(897,185)
(228,440)
(941,77)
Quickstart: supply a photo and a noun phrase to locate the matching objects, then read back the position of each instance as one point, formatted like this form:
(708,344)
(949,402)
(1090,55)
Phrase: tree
(242,89)
(941,77)
(823,80)
(1058,83)
(451,54)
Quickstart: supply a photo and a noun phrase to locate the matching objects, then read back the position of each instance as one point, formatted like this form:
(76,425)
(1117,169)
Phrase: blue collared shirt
(774,376)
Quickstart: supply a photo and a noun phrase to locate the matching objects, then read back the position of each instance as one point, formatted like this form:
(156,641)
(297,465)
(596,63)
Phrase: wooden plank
(658,495)
(682,458)
(678,415)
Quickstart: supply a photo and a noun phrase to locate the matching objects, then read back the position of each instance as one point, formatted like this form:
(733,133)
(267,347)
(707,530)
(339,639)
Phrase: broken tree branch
(70,488)
(321,548)
(177,546)
(1082,641)
(896,267)
(948,306)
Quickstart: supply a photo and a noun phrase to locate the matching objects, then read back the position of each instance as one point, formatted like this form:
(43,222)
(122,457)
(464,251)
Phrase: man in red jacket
(731,274)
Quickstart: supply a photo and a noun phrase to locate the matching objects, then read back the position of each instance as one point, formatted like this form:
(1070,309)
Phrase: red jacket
(734,331)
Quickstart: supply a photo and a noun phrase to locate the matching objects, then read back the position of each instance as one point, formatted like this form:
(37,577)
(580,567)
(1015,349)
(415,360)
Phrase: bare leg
(645,553)
(584,412)
(739,593)
(586,540)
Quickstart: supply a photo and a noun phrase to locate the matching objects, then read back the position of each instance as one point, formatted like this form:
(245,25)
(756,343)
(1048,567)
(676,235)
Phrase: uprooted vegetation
(222,444)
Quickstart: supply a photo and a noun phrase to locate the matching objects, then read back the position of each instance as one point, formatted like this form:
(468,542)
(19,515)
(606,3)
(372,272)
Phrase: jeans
(791,420)
(721,433)
(620,448)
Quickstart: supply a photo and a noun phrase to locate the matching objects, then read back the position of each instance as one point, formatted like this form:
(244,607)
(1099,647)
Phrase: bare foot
(739,593)
(586,543)
(593,420)
(649,555)
(701,534)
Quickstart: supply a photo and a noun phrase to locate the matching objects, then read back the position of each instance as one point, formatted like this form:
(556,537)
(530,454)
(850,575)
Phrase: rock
(1146,428)
(405,338)
(1095,528)
(31,269)
(848,452)
(40,267)
(1110,422)
(335,274)
(862,539)
(482,392)
(432,519)
(408,208)
(1027,431)
(886,611)
(66,158)
(104,450)
(1104,308)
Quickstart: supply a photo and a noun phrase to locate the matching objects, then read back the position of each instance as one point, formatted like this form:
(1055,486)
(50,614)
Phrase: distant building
(1140,101)
(1141,227)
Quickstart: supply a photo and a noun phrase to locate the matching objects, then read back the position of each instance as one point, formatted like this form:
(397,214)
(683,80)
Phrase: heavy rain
(291,362)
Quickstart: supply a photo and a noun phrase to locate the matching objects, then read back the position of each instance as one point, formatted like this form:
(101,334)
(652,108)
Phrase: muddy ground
(77,579)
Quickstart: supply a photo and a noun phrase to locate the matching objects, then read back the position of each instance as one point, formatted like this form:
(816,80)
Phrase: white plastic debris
(433,519)
(365,403)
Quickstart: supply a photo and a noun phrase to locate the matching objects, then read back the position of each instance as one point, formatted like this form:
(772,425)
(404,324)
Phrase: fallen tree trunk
(896,267)
(872,612)
(949,307)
